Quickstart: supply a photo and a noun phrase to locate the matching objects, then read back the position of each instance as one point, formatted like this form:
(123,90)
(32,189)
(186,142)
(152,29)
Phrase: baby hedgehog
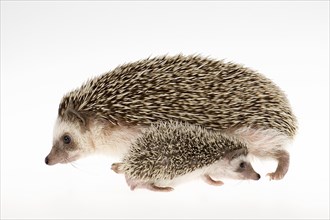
(171,152)
(107,113)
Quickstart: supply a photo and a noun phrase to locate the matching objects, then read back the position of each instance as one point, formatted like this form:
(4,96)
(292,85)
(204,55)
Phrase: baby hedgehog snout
(46,160)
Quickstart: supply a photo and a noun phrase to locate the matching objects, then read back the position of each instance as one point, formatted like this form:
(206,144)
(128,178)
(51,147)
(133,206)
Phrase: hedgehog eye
(242,165)
(66,139)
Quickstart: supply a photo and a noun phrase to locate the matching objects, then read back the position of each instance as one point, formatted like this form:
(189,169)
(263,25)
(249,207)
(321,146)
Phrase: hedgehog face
(238,168)
(71,142)
(241,168)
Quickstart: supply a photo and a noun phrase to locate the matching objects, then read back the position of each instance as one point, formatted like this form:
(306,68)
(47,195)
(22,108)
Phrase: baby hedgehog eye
(66,139)
(242,165)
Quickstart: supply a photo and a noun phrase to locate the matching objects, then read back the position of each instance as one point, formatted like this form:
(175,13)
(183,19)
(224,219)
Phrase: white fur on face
(225,169)
(82,142)
(99,137)
(61,127)
(228,169)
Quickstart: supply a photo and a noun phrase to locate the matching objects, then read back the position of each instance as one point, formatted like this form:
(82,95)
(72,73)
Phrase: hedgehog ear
(235,153)
(77,115)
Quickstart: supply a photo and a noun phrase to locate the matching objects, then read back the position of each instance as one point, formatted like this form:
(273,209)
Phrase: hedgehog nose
(258,176)
(46,160)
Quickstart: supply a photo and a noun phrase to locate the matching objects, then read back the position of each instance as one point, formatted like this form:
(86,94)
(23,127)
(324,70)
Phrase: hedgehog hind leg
(283,159)
(153,187)
(133,184)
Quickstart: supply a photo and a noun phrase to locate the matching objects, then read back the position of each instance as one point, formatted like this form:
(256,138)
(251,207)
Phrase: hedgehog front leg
(117,168)
(211,181)
(283,159)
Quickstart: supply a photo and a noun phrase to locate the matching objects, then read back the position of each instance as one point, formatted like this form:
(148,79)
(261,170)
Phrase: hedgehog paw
(211,181)
(132,183)
(133,186)
(283,158)
(153,187)
(116,167)
(275,176)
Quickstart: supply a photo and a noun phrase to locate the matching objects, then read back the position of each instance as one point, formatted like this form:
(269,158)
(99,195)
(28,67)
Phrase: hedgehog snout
(47,160)
(256,176)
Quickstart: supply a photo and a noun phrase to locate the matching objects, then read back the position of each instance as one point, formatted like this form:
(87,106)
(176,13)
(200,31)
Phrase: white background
(49,48)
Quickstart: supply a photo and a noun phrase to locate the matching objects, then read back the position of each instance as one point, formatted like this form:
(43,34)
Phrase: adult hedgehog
(109,112)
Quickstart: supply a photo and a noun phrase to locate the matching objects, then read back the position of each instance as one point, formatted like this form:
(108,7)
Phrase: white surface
(49,48)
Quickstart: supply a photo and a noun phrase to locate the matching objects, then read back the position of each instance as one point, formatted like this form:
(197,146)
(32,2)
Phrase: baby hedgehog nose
(46,160)
(258,176)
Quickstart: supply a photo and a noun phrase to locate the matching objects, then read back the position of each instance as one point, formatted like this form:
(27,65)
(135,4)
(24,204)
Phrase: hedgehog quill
(108,113)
